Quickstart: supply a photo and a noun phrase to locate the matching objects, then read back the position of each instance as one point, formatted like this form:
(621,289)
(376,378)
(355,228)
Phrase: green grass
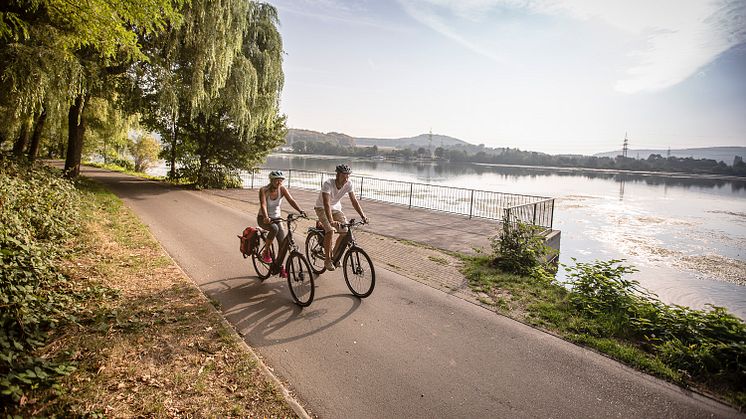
(603,311)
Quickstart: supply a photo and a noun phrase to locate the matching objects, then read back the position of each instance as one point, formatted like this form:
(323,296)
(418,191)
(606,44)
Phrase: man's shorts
(336,215)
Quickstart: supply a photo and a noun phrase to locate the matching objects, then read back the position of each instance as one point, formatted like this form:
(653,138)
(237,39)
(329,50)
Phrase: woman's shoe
(266,257)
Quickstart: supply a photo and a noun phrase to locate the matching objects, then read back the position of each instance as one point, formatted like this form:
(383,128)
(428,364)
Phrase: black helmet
(343,168)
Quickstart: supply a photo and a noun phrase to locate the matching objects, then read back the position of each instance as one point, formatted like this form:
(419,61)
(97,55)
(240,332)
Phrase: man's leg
(339,216)
(329,232)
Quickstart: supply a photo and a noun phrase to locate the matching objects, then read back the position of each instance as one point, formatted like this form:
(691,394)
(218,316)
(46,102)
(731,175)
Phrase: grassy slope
(150,344)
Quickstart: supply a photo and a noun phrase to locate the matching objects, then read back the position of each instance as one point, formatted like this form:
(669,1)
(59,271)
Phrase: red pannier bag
(248,241)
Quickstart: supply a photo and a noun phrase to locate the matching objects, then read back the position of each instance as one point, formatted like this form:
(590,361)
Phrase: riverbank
(675,175)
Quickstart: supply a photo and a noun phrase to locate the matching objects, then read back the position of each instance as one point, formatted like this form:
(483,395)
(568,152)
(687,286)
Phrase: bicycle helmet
(343,168)
(276,174)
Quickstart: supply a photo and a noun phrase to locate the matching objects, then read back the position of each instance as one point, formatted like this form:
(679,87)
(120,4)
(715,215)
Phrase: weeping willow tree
(211,86)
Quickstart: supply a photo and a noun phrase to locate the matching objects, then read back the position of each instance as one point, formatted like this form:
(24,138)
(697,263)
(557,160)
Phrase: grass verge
(624,332)
(147,343)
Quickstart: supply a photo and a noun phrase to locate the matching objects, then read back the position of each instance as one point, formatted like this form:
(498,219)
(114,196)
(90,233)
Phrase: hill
(422,140)
(724,154)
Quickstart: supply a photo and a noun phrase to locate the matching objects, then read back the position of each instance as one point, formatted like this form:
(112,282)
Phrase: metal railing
(536,210)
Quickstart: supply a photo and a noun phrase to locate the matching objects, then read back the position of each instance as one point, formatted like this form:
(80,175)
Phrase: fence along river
(536,210)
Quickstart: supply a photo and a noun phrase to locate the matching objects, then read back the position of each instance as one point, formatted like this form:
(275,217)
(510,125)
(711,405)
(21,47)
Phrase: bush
(39,212)
(702,343)
(520,249)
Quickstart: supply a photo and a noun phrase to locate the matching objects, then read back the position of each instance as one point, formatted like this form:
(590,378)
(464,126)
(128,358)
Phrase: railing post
(322,180)
(534,223)
(361,186)
(471,204)
(411,189)
(290,175)
(252,179)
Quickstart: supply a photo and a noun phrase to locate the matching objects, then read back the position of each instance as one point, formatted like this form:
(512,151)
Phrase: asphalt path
(409,350)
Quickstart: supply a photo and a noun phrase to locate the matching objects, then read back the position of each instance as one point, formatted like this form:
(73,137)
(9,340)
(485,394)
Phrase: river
(685,235)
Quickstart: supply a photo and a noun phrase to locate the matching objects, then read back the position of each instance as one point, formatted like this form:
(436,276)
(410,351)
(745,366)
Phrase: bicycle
(359,273)
(299,272)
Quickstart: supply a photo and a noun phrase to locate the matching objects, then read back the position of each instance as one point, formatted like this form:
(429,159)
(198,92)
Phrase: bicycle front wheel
(359,273)
(315,252)
(261,266)
(300,279)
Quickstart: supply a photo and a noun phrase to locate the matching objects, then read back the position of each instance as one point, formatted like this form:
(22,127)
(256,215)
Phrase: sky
(556,76)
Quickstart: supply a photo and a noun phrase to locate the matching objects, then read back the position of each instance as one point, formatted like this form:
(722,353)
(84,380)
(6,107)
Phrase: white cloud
(676,38)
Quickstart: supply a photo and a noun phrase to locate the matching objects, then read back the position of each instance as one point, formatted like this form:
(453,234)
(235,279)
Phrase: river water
(686,236)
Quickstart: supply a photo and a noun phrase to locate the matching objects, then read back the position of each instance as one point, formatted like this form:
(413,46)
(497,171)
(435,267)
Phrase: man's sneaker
(329,265)
(283,272)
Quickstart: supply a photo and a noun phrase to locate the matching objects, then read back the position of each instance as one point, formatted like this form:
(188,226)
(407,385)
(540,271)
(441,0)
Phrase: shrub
(703,343)
(520,249)
(39,212)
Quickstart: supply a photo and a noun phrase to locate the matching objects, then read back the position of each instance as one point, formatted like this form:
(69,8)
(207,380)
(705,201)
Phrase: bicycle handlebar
(291,217)
(353,223)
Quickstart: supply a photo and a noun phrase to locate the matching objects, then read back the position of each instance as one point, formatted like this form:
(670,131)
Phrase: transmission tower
(430,142)
(625,146)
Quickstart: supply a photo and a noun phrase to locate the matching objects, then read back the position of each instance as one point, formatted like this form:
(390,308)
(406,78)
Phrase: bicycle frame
(284,248)
(347,242)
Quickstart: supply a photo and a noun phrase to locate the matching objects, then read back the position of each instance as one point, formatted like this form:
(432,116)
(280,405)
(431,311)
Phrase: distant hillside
(314,136)
(422,140)
(724,154)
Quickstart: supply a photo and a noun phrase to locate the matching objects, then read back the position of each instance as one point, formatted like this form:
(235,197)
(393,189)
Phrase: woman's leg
(271,228)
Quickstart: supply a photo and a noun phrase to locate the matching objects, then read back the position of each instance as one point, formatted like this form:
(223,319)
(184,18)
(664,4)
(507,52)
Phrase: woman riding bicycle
(270,200)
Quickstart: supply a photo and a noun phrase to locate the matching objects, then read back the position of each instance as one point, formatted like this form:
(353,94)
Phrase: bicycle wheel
(262,268)
(315,251)
(300,279)
(359,273)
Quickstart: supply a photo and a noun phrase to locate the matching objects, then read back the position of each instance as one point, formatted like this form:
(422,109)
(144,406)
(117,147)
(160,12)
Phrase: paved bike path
(407,351)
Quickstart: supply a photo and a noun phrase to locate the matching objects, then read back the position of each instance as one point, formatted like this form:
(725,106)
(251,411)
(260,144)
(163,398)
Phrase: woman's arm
(263,206)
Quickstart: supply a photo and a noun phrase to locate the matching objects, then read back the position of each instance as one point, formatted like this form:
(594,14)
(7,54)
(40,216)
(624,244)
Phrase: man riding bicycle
(328,209)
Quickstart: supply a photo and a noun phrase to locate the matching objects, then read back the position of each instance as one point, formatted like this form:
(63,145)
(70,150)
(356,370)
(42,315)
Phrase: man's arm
(356,205)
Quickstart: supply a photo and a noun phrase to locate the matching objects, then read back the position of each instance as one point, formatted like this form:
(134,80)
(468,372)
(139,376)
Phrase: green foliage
(520,249)
(601,308)
(39,211)
(703,343)
(144,149)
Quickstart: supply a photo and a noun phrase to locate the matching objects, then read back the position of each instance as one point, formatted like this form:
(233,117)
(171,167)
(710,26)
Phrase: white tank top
(273,205)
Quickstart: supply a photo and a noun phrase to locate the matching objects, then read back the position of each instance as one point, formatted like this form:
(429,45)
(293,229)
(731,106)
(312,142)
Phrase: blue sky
(558,76)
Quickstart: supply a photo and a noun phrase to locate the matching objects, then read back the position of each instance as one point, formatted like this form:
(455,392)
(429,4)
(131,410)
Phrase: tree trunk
(75,131)
(33,149)
(172,172)
(22,140)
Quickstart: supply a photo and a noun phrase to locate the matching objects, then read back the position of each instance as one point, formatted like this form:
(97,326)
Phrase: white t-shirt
(335,195)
